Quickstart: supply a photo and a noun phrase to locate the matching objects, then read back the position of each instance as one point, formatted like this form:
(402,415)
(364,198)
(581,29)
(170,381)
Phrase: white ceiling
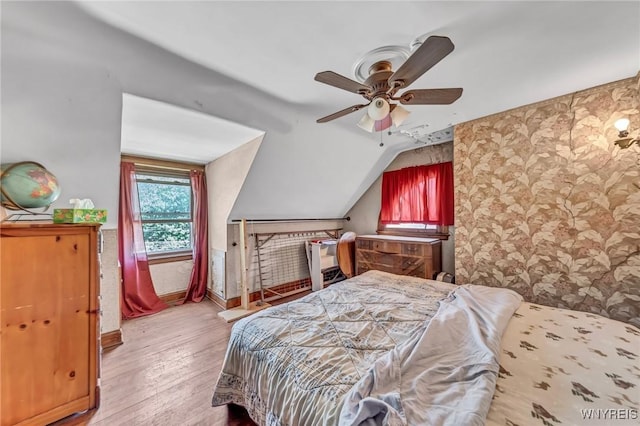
(156,129)
(507,53)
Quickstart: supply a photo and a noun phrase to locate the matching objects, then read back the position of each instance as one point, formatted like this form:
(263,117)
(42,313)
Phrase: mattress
(562,367)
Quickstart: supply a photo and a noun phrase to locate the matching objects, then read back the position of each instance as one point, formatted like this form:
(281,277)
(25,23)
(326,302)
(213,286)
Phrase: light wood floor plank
(165,371)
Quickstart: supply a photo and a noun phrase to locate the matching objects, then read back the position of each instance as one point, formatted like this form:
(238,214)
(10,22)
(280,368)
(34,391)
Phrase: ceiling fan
(382,84)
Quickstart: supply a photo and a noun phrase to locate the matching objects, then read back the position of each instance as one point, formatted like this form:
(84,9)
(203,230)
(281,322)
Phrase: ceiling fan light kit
(398,115)
(383,124)
(366,123)
(378,109)
(380,87)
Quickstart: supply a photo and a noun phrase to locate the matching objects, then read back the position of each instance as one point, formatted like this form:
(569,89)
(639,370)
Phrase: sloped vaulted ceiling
(507,54)
(156,129)
(253,63)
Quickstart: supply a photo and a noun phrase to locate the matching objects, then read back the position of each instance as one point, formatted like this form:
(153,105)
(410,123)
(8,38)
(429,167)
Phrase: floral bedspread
(562,367)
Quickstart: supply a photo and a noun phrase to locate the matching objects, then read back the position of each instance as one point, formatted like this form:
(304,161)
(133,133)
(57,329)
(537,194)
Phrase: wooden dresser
(417,257)
(49,356)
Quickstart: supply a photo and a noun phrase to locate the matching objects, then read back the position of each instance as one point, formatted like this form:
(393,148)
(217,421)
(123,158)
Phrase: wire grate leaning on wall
(280,261)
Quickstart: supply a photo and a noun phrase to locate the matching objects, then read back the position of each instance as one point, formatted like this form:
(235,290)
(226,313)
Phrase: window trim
(177,256)
(160,165)
(441,232)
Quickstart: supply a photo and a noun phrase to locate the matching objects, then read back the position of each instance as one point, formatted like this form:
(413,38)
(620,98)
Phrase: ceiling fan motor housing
(379,74)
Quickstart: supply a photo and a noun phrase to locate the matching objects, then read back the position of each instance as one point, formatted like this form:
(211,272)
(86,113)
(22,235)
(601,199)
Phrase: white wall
(217,272)
(171,277)
(63,115)
(364,213)
(225,177)
(110,282)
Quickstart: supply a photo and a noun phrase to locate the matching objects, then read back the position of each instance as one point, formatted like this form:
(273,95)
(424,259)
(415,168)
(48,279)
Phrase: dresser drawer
(416,249)
(413,257)
(376,258)
(387,246)
(410,249)
(364,244)
(395,263)
(415,267)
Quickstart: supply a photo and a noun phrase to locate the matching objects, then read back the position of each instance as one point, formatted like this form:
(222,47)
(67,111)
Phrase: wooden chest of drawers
(417,257)
(49,321)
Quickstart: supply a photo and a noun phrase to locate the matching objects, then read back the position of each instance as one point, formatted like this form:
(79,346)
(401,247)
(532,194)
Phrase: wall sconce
(624,141)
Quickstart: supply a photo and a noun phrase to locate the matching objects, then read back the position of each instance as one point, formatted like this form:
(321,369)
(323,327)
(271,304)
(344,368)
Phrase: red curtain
(198,282)
(138,297)
(422,194)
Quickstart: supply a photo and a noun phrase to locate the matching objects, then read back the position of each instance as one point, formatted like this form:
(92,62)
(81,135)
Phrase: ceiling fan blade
(336,80)
(426,56)
(339,114)
(430,96)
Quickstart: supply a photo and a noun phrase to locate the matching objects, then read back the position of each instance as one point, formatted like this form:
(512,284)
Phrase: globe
(27,185)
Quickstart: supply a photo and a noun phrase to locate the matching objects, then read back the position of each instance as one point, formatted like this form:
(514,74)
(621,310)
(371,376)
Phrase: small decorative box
(79,215)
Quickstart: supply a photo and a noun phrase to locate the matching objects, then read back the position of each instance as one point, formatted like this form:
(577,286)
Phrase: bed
(388,349)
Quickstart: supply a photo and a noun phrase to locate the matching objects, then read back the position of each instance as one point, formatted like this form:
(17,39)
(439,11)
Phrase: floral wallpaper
(548,206)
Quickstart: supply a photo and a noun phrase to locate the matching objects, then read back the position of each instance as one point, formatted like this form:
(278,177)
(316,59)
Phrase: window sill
(414,233)
(156,259)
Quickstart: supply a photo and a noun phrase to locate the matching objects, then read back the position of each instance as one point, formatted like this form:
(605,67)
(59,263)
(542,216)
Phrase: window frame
(172,255)
(440,232)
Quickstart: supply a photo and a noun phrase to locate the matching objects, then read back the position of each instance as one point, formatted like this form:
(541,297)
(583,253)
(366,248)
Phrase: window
(417,201)
(165,206)
(411,226)
(414,230)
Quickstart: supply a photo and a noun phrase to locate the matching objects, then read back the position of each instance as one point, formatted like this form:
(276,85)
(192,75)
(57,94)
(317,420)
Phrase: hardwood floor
(165,371)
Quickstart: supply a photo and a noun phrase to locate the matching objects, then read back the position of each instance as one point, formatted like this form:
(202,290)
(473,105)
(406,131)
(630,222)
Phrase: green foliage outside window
(165,204)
